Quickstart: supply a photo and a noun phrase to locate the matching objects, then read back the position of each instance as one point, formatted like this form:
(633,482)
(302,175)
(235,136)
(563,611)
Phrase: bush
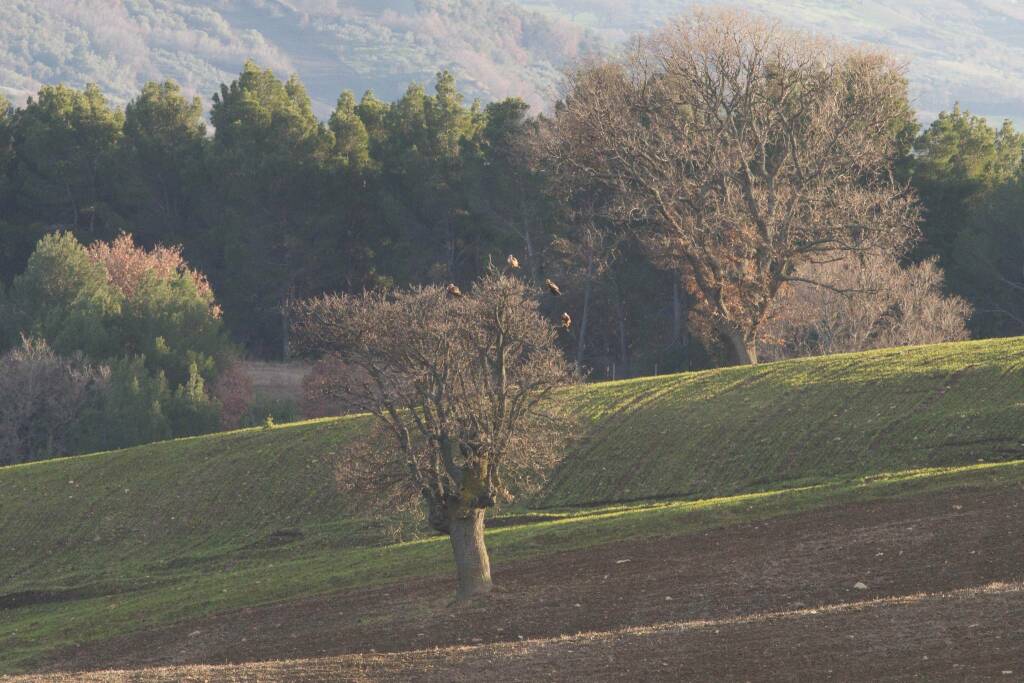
(139,407)
(44,396)
(147,314)
(233,389)
(278,410)
(866,303)
(190,410)
(131,411)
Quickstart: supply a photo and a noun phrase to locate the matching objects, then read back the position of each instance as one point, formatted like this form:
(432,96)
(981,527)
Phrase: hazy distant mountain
(966,50)
(494,46)
(971,50)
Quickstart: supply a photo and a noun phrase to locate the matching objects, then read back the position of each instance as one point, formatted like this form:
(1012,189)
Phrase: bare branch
(744,149)
(462,386)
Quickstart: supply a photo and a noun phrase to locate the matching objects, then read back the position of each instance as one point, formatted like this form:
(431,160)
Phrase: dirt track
(933,637)
(736,603)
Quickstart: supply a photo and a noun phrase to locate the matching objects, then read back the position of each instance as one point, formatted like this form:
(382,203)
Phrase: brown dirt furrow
(973,634)
(931,543)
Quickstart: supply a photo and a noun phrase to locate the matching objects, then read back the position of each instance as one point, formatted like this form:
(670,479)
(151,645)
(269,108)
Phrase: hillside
(959,50)
(693,435)
(496,47)
(101,545)
(737,429)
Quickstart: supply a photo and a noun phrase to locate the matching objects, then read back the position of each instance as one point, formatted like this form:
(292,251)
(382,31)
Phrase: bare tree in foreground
(747,150)
(461,387)
(871,303)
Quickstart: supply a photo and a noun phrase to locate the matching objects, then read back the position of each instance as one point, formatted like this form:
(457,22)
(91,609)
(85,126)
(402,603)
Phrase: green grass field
(108,543)
(740,429)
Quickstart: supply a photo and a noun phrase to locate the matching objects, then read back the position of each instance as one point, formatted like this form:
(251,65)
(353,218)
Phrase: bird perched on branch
(566,321)
(453,290)
(552,287)
(512,262)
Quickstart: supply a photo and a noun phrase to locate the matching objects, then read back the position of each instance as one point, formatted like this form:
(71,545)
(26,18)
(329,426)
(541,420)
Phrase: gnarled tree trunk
(741,346)
(472,565)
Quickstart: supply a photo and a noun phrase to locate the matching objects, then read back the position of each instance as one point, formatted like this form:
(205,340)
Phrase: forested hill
(497,47)
(966,50)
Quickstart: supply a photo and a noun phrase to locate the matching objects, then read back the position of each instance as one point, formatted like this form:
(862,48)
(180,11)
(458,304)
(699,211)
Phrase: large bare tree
(743,150)
(462,388)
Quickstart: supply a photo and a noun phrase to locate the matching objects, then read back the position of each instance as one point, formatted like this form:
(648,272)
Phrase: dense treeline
(970,180)
(274,205)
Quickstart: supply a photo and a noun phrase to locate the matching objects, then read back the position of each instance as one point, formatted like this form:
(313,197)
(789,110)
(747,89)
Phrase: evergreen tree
(6,153)
(958,159)
(65,144)
(968,176)
(373,112)
(271,159)
(422,161)
(64,298)
(162,166)
(352,142)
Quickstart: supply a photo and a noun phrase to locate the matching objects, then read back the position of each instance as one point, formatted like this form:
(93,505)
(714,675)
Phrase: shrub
(190,410)
(277,410)
(866,303)
(44,396)
(138,406)
(233,389)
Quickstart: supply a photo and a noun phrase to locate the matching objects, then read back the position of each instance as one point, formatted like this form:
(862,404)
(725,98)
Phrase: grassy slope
(129,534)
(737,429)
(172,504)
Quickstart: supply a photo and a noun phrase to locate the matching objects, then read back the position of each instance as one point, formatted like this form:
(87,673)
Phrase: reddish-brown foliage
(127,264)
(323,392)
(233,388)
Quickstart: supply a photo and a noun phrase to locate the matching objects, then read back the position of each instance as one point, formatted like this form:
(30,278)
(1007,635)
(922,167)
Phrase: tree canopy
(746,150)
(274,205)
(144,317)
(462,386)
